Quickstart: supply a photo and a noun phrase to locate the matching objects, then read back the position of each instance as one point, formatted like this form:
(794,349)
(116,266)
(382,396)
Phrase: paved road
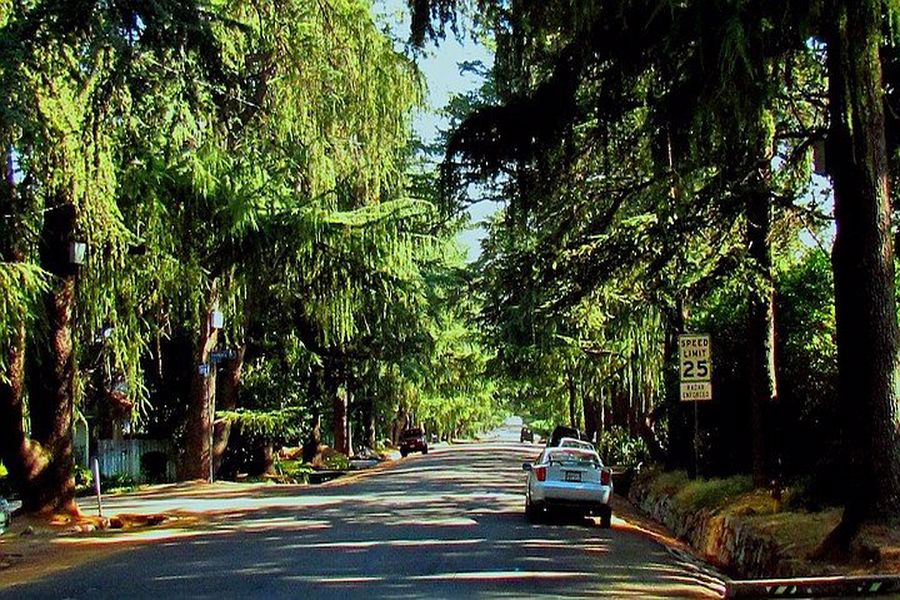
(445,525)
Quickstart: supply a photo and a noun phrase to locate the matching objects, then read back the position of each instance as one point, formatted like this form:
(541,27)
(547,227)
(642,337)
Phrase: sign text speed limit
(695,367)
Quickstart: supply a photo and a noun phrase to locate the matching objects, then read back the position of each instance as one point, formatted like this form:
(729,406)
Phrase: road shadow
(445,525)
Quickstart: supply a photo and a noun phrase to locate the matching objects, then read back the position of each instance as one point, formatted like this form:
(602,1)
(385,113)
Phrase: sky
(440,66)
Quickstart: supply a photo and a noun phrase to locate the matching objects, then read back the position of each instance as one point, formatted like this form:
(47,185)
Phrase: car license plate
(573,476)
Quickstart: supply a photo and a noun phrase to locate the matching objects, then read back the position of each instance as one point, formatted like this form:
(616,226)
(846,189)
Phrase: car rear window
(574,456)
(412,433)
(576,444)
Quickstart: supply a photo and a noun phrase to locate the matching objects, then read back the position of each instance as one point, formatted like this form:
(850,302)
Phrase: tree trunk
(863,266)
(52,384)
(369,421)
(679,414)
(227,395)
(589,406)
(573,398)
(313,444)
(761,326)
(401,423)
(647,432)
(20,457)
(334,378)
(604,414)
(16,450)
(348,389)
(620,408)
(195,462)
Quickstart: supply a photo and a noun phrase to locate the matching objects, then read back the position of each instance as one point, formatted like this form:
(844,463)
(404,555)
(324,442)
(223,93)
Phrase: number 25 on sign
(695,367)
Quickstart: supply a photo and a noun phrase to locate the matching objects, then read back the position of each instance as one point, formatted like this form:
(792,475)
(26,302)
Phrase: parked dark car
(413,440)
(526,435)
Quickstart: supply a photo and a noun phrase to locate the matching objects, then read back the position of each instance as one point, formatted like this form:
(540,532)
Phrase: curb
(811,587)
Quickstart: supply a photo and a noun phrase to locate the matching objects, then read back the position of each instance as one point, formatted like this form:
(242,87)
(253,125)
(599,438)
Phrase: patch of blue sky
(444,78)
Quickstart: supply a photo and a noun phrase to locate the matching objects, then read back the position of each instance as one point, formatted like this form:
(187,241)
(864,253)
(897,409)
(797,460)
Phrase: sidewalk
(33,548)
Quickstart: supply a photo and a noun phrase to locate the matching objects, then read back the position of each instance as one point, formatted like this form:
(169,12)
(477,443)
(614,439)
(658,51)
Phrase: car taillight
(540,473)
(605,477)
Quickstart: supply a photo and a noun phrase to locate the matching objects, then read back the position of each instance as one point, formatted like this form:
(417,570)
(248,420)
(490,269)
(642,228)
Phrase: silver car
(573,480)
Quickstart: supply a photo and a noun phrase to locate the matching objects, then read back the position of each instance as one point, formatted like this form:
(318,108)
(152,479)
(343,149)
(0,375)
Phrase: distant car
(567,442)
(526,435)
(571,480)
(413,440)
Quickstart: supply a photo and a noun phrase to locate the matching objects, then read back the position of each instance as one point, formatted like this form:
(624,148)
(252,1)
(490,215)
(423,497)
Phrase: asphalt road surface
(446,525)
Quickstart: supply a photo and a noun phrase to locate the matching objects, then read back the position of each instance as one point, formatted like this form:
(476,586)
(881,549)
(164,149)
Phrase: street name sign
(695,367)
(218,356)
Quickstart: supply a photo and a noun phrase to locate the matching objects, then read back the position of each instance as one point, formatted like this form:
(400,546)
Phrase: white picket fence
(123,457)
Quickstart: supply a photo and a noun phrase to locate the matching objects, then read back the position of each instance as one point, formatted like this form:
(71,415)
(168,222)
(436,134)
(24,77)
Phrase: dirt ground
(38,546)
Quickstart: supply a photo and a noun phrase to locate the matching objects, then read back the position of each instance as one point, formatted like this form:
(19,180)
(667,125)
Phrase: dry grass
(797,532)
(713,494)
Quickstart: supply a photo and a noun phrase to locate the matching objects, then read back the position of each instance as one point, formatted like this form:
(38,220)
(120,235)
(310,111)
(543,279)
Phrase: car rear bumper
(585,507)
(413,447)
(562,493)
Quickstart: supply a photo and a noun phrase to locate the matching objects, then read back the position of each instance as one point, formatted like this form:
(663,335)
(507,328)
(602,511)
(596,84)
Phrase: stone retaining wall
(725,540)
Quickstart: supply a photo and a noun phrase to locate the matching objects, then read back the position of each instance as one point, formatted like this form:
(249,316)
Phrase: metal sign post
(211,401)
(695,374)
(96,469)
(210,372)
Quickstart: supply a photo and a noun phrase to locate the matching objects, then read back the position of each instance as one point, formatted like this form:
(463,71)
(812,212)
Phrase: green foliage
(542,427)
(697,494)
(21,287)
(808,367)
(701,494)
(336,461)
(618,448)
(252,153)
(293,471)
(270,425)
(84,478)
(666,483)
(118,484)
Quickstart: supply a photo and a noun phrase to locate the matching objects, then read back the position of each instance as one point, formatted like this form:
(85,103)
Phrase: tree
(863,263)
(174,139)
(619,44)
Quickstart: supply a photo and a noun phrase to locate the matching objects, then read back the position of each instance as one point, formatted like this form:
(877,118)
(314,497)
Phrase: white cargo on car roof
(569,479)
(568,442)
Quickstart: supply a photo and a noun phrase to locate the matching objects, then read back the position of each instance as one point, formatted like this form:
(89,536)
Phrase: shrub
(712,493)
(669,484)
(617,447)
(117,483)
(335,461)
(293,471)
(84,476)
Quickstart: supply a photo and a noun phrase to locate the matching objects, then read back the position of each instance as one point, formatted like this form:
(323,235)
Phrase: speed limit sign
(695,367)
